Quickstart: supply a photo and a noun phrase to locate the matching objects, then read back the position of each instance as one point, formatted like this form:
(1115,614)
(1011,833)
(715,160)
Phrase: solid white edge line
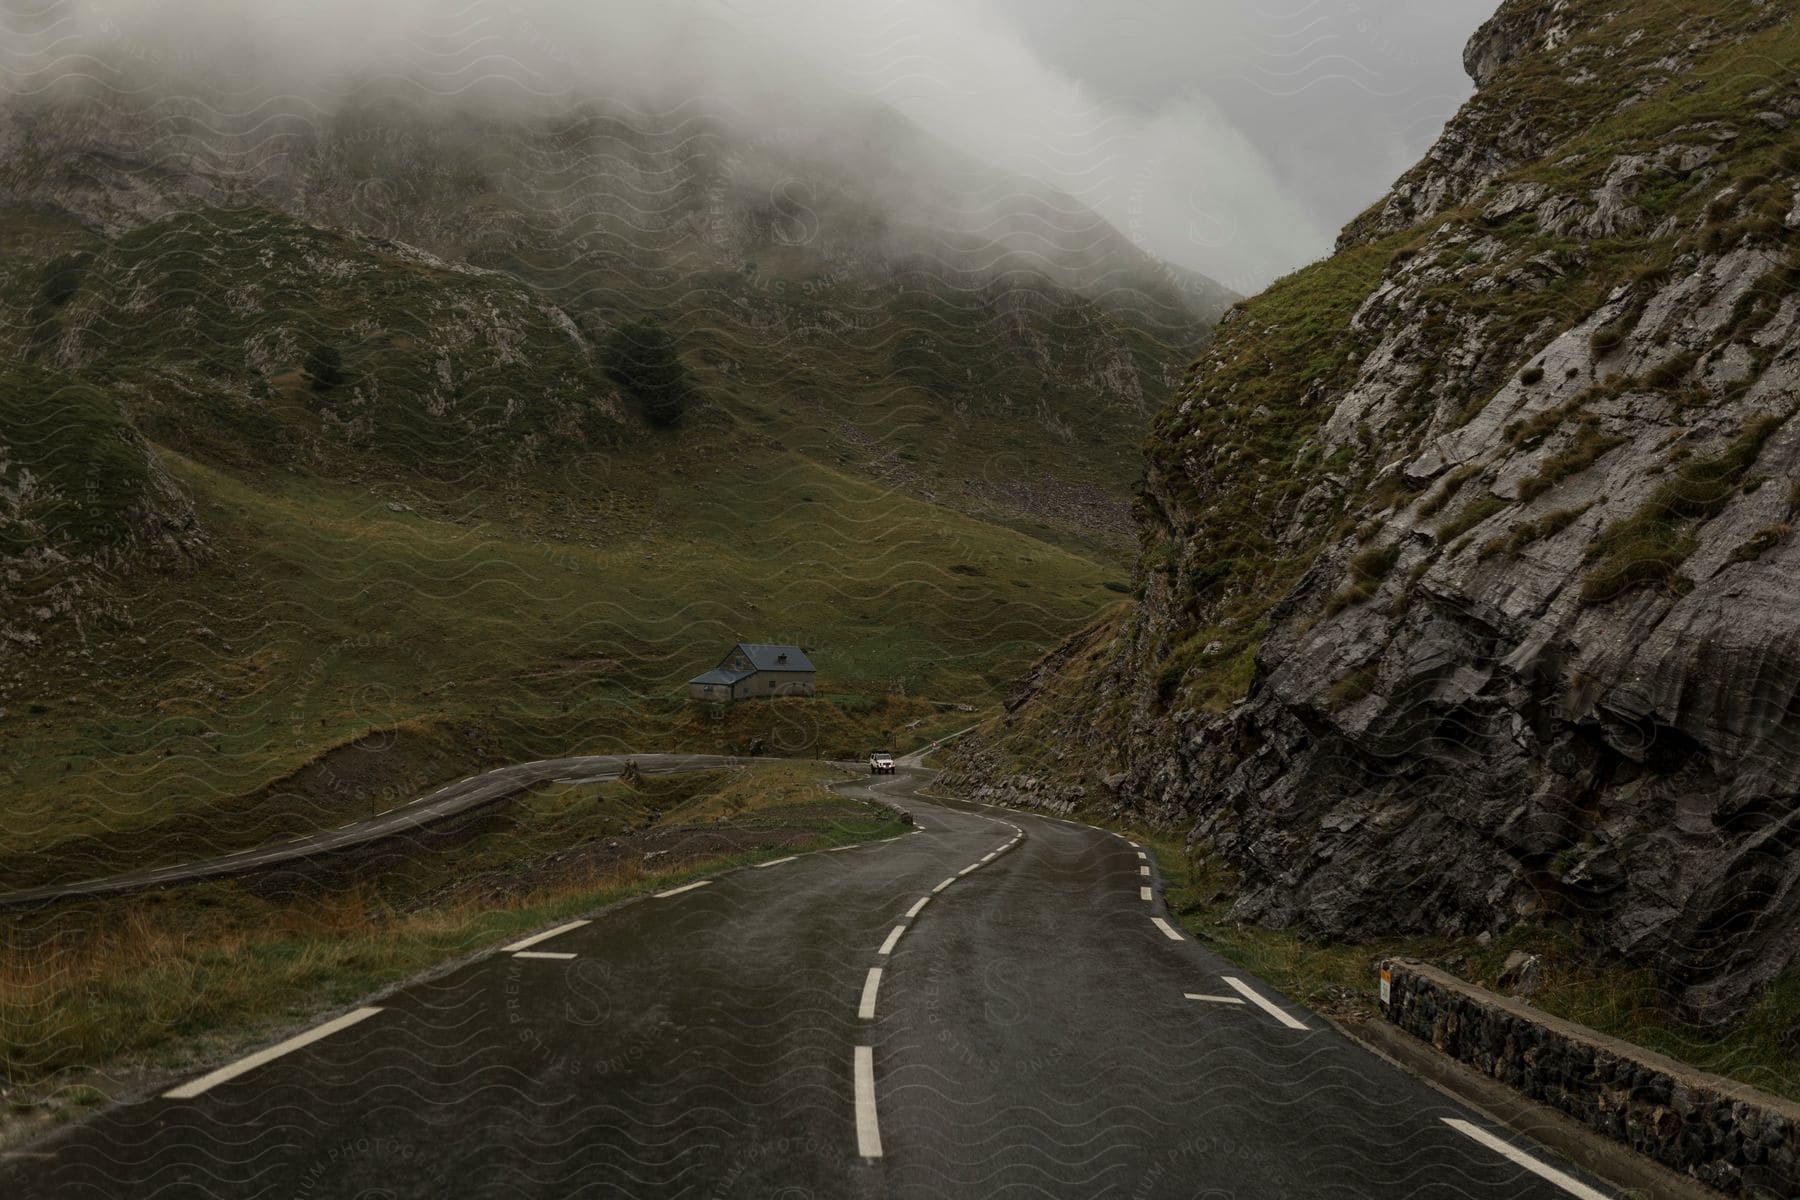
(940,887)
(1168,932)
(1253,996)
(1143,893)
(776,862)
(893,937)
(684,888)
(192,1088)
(914,910)
(541,954)
(866,1008)
(1214,999)
(545,936)
(868,1129)
(1567,1183)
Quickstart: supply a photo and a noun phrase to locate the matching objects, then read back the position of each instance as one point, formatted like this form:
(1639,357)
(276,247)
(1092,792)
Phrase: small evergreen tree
(62,279)
(326,367)
(640,358)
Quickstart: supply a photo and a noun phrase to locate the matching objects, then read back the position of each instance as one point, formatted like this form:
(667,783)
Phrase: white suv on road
(881,763)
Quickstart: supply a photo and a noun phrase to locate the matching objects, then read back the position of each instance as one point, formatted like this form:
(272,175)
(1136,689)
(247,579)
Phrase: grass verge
(1338,978)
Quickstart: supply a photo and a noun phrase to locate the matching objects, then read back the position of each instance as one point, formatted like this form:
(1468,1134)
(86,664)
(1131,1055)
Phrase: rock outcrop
(1469,593)
(83,499)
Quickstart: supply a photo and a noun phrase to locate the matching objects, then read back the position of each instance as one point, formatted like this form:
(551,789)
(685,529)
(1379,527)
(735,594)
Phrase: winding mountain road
(991,1005)
(451,800)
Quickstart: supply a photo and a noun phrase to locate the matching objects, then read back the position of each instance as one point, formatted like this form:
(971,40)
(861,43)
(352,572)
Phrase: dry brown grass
(152,979)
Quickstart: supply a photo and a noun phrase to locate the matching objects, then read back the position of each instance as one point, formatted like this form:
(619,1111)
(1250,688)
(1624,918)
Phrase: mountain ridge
(795,288)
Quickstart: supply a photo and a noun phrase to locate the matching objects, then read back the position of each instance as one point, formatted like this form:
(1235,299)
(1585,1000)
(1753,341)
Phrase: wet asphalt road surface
(1029,1034)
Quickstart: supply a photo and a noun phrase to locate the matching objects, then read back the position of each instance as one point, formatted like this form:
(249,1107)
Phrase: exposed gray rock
(1506,35)
(58,578)
(1507,723)
(1521,974)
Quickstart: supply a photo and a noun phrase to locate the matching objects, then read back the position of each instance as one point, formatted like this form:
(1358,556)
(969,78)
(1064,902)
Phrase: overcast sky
(1230,136)
(1265,124)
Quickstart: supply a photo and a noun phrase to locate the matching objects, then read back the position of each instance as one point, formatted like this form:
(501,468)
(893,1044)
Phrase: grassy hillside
(558,615)
(404,524)
(956,333)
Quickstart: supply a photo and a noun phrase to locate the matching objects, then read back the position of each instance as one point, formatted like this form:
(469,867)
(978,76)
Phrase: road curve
(986,1007)
(451,800)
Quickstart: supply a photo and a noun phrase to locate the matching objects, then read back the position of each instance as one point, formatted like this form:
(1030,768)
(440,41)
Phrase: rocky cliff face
(1469,595)
(82,498)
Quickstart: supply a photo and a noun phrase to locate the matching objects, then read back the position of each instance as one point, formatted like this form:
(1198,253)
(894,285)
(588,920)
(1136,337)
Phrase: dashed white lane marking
(1253,996)
(776,862)
(542,954)
(545,936)
(688,887)
(1168,932)
(989,857)
(1567,1183)
(914,910)
(189,1090)
(1131,843)
(1214,999)
(868,1130)
(866,1009)
(971,867)
(1144,871)
(887,947)
(940,887)
(1143,893)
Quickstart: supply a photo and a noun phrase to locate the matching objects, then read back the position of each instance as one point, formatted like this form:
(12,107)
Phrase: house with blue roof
(756,669)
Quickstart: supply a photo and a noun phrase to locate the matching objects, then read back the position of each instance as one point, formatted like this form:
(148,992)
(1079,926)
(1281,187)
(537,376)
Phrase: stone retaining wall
(1724,1133)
